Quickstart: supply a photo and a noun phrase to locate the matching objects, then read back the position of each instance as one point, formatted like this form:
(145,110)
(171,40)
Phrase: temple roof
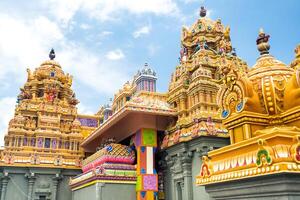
(205,29)
(145,105)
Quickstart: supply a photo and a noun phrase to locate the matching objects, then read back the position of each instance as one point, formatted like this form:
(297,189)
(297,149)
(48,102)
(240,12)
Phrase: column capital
(169,161)
(186,157)
(100,185)
(5,177)
(30,175)
(203,150)
(57,177)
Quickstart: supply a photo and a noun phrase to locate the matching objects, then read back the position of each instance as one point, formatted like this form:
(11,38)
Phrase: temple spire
(52,54)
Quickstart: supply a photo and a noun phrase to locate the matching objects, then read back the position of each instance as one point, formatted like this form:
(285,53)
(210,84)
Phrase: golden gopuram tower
(261,111)
(45,131)
(205,47)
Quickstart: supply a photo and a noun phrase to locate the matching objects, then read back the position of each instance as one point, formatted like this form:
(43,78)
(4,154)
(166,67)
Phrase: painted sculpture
(260,111)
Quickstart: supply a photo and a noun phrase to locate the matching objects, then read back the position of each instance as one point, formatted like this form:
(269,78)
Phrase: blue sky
(102,43)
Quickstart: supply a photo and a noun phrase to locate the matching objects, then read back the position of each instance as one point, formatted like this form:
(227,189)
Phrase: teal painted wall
(106,191)
(182,165)
(43,183)
(17,187)
(198,191)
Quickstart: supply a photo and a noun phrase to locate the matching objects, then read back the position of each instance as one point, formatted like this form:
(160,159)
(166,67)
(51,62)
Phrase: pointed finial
(296,63)
(262,42)
(52,54)
(261,31)
(233,52)
(202,11)
(297,51)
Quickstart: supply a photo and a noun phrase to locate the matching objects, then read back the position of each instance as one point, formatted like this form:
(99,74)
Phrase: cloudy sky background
(102,43)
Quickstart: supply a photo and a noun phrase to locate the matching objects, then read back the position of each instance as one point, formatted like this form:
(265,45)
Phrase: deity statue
(227,33)
(23,95)
(183,54)
(30,75)
(165,141)
(51,94)
(73,101)
(210,126)
(195,129)
(69,79)
(176,136)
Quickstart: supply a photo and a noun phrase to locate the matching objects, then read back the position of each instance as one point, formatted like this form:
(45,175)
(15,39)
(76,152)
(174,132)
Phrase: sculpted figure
(30,75)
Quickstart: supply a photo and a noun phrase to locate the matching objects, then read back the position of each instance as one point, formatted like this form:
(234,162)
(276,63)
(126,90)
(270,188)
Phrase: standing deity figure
(165,141)
(195,129)
(30,75)
(183,54)
(210,126)
(177,136)
(51,94)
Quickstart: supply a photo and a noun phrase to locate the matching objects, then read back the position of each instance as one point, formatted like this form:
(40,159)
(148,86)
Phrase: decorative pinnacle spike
(52,54)
(262,42)
(261,31)
(202,11)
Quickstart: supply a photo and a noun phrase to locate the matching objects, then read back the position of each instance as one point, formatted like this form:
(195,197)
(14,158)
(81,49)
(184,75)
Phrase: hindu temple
(222,130)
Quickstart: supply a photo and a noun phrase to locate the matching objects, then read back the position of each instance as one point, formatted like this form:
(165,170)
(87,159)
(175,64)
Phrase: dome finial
(202,11)
(262,42)
(297,51)
(52,54)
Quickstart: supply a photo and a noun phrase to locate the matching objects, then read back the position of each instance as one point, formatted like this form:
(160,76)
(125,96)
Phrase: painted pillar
(31,179)
(55,181)
(99,187)
(147,179)
(169,186)
(0,187)
(5,180)
(187,175)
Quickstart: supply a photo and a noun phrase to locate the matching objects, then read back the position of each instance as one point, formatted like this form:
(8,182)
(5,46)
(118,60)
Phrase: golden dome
(269,77)
(50,69)
(205,27)
(264,89)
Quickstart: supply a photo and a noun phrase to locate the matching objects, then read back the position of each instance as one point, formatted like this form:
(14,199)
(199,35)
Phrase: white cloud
(92,70)
(85,110)
(116,54)
(7,112)
(153,49)
(108,9)
(62,10)
(103,10)
(85,26)
(145,30)
(24,43)
(104,34)
(209,13)
(193,1)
